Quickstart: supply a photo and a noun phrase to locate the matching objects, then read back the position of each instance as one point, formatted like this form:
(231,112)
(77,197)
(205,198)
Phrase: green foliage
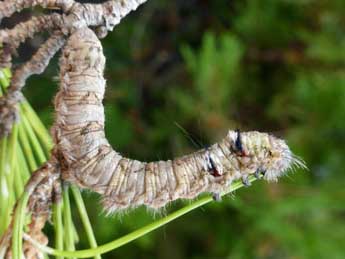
(213,70)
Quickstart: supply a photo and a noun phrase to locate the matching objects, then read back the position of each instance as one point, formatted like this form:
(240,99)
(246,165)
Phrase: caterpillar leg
(217,197)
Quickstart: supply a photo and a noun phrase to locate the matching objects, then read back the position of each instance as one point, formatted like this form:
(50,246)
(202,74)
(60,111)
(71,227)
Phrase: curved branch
(37,64)
(122,182)
(9,7)
(106,15)
(115,10)
(15,36)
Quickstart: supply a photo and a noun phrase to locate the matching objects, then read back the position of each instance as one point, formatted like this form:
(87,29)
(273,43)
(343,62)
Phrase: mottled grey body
(91,162)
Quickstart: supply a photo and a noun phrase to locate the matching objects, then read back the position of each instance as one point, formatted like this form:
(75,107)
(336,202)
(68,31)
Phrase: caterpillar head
(263,152)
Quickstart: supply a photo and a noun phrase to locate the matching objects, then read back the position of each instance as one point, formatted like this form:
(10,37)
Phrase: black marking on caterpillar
(238,147)
(211,166)
(238,142)
(122,182)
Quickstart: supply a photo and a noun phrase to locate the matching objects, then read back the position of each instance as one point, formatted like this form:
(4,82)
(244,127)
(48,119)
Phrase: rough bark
(37,64)
(107,14)
(21,32)
(9,7)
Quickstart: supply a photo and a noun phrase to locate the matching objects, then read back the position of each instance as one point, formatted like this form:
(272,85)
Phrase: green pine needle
(137,233)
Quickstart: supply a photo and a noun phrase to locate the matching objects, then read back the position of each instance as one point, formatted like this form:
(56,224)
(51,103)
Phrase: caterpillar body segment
(91,162)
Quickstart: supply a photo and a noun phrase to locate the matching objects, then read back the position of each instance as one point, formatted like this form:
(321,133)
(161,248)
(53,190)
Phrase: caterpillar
(90,162)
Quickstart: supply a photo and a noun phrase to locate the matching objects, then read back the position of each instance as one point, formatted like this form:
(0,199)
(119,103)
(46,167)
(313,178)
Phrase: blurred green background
(207,66)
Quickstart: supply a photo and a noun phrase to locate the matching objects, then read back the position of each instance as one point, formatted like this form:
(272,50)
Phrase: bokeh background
(180,73)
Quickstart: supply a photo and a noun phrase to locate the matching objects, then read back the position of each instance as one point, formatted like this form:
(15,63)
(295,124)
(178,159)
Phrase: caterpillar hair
(90,161)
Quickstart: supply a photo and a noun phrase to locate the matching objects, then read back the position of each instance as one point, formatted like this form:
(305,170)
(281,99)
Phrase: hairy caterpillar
(90,161)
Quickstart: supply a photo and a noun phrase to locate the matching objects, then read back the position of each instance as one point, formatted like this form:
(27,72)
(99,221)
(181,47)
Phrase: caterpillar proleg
(90,162)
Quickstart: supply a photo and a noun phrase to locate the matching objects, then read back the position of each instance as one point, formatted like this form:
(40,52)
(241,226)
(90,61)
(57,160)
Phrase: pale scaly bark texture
(9,7)
(22,31)
(90,161)
(107,14)
(37,64)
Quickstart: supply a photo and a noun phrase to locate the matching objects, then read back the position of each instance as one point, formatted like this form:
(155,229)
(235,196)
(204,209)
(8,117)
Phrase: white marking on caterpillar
(92,163)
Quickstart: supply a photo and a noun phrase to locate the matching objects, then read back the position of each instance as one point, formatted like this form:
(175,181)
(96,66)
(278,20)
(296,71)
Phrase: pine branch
(9,7)
(21,32)
(37,64)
